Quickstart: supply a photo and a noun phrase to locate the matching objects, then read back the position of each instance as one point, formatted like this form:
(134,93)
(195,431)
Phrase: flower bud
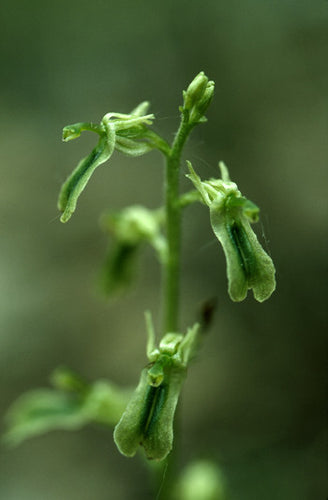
(197,114)
(195,91)
(197,98)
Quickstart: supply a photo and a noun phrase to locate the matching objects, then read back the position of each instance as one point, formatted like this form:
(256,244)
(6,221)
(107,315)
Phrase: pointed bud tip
(195,91)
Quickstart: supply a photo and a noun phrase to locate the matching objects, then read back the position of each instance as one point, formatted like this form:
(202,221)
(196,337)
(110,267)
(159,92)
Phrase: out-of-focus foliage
(43,410)
(201,480)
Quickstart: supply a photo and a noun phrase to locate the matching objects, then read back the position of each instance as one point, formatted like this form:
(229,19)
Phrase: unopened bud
(195,91)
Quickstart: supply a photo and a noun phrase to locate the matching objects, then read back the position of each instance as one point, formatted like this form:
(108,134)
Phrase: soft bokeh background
(254,401)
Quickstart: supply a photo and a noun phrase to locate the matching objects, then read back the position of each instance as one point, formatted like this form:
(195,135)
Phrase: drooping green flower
(126,133)
(131,228)
(148,418)
(248,265)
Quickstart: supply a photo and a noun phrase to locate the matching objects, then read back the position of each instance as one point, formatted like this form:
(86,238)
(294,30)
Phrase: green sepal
(132,147)
(77,181)
(141,109)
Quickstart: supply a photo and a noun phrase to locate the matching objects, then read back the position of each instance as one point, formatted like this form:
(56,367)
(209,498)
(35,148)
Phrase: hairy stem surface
(173,225)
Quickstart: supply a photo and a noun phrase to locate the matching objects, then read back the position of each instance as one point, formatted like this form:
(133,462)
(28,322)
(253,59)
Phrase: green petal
(141,109)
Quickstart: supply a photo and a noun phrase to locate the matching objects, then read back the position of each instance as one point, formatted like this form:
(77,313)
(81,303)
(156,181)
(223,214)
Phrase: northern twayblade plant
(143,418)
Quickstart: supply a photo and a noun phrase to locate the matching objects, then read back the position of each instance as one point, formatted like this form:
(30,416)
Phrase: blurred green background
(254,400)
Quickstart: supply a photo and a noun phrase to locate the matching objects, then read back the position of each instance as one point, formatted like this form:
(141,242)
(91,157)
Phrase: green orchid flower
(131,228)
(248,265)
(127,133)
(148,418)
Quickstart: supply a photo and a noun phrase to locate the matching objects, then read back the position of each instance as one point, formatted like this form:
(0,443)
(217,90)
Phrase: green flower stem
(173,225)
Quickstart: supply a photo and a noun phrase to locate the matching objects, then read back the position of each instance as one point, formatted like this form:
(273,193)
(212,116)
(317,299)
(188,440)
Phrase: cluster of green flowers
(148,416)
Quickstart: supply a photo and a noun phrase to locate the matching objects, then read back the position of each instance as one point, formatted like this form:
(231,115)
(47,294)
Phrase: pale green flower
(148,418)
(126,133)
(131,227)
(248,265)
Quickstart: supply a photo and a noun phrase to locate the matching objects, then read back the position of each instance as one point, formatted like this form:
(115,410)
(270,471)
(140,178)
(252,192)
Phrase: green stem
(173,227)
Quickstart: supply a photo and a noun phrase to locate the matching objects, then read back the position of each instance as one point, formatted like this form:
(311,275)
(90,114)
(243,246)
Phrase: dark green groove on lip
(155,400)
(240,241)
(87,163)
